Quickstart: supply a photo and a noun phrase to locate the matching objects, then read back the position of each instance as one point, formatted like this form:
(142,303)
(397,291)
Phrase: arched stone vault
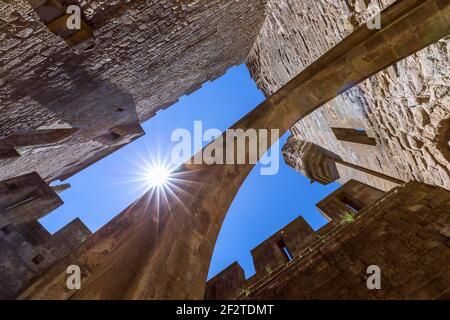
(163,252)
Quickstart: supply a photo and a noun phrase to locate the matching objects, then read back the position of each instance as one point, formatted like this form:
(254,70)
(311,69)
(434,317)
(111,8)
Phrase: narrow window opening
(351,204)
(6,229)
(38,259)
(115,136)
(358,135)
(285,250)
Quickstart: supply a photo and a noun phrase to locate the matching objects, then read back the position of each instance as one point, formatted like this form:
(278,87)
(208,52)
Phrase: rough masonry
(406,233)
(27,248)
(125,258)
(404,109)
(142,57)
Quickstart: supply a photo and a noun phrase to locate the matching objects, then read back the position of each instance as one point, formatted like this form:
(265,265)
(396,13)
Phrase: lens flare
(158,176)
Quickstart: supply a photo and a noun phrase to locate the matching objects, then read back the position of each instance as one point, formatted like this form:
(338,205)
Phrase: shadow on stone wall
(73,96)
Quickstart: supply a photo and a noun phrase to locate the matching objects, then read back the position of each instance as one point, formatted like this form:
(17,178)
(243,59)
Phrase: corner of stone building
(27,248)
(84,74)
(400,109)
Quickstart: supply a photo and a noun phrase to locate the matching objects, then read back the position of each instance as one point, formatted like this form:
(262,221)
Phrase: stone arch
(126,257)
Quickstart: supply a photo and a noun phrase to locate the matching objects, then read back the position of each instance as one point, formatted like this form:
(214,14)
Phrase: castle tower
(321,165)
(125,258)
(395,122)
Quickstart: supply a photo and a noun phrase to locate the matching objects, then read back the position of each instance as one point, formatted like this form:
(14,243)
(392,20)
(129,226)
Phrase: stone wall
(70,237)
(351,198)
(406,234)
(125,259)
(405,108)
(28,249)
(226,283)
(142,57)
(26,198)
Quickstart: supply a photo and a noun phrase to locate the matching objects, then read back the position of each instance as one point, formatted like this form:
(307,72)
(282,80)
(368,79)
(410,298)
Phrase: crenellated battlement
(351,198)
(363,103)
(299,263)
(27,248)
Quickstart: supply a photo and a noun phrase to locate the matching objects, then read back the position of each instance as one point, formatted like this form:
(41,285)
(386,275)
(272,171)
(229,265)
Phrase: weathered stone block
(26,198)
(49,10)
(225,284)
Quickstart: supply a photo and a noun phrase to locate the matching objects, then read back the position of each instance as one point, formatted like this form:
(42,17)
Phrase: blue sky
(263,205)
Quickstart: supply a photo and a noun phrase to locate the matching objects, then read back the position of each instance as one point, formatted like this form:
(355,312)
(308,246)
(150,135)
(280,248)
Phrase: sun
(158,176)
